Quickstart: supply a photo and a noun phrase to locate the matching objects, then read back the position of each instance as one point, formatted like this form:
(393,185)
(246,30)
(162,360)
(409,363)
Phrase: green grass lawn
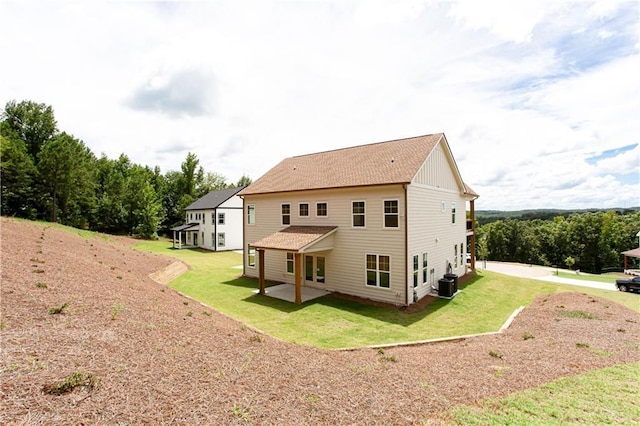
(606,396)
(332,322)
(604,278)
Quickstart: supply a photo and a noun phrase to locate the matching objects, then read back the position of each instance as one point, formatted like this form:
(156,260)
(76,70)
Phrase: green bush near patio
(485,303)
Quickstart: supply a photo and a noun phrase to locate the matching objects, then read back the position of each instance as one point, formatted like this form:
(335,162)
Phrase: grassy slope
(606,396)
(330,322)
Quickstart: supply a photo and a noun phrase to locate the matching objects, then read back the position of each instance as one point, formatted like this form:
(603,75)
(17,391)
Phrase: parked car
(628,284)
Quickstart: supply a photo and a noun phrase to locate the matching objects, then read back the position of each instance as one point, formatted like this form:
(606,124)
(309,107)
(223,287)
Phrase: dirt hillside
(143,354)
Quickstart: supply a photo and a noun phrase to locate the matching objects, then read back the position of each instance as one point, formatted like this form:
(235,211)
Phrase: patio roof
(632,253)
(298,239)
(186,227)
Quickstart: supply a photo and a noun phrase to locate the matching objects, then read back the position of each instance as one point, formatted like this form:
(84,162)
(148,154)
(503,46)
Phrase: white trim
(384,214)
(255,253)
(293,262)
(248,217)
(316,213)
(282,215)
(364,214)
(366,269)
(308,208)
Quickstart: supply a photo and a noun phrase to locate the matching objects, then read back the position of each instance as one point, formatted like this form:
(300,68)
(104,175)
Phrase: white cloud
(514,85)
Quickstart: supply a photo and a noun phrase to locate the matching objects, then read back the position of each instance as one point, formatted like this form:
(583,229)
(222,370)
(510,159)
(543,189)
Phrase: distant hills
(487,216)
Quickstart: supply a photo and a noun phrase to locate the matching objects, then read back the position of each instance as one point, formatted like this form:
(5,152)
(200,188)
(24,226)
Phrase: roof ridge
(365,145)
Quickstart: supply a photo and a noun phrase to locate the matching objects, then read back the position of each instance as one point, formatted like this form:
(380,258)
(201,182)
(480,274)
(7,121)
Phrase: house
(213,222)
(384,221)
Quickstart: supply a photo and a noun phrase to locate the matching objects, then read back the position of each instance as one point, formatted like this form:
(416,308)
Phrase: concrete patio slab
(288,292)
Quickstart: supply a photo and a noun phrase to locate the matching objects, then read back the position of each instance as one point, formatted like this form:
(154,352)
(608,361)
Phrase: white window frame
(221,218)
(251,218)
(453,213)
(385,214)
(291,261)
(416,270)
(461,254)
(283,215)
(364,214)
(326,209)
(308,211)
(377,270)
(455,256)
(425,268)
(222,238)
(251,252)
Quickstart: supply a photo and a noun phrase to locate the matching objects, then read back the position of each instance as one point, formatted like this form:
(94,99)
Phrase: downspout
(406,246)
(244,234)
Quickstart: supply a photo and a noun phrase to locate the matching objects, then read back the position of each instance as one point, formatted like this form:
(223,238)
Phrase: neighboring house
(383,221)
(213,222)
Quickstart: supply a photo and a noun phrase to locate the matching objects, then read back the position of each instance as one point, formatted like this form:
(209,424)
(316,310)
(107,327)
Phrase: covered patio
(297,240)
(288,292)
(635,253)
(181,233)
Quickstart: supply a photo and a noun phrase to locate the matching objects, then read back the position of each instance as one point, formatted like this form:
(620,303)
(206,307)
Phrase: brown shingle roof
(381,163)
(294,238)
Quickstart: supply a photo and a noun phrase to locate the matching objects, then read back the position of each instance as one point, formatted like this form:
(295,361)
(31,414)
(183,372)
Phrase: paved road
(542,273)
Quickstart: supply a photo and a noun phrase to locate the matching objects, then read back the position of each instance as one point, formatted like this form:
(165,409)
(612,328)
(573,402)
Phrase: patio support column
(472,216)
(261,270)
(298,269)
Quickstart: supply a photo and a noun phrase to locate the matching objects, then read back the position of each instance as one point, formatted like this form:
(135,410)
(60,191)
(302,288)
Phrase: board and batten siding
(437,171)
(345,264)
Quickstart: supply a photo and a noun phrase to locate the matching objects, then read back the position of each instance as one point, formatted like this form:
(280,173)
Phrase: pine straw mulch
(138,352)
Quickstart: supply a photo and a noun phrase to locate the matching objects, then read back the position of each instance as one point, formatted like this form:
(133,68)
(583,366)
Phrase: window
(251,214)
(251,256)
(303,209)
(455,256)
(290,263)
(391,214)
(378,274)
(286,214)
(320,269)
(415,270)
(425,265)
(461,255)
(190,216)
(443,206)
(358,213)
(213,239)
(220,218)
(453,212)
(203,237)
(213,220)
(308,268)
(221,239)
(321,209)
(204,221)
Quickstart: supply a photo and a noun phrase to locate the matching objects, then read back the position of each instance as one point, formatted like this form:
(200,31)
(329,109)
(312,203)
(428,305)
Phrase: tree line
(590,241)
(46,174)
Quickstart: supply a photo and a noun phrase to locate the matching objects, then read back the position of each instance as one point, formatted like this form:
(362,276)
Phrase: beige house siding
(431,231)
(345,269)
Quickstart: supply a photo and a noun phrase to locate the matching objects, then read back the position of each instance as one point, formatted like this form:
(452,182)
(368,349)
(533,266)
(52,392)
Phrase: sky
(539,100)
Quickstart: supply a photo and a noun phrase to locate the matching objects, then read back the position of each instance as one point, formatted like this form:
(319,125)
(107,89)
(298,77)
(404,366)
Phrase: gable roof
(213,199)
(295,238)
(381,163)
